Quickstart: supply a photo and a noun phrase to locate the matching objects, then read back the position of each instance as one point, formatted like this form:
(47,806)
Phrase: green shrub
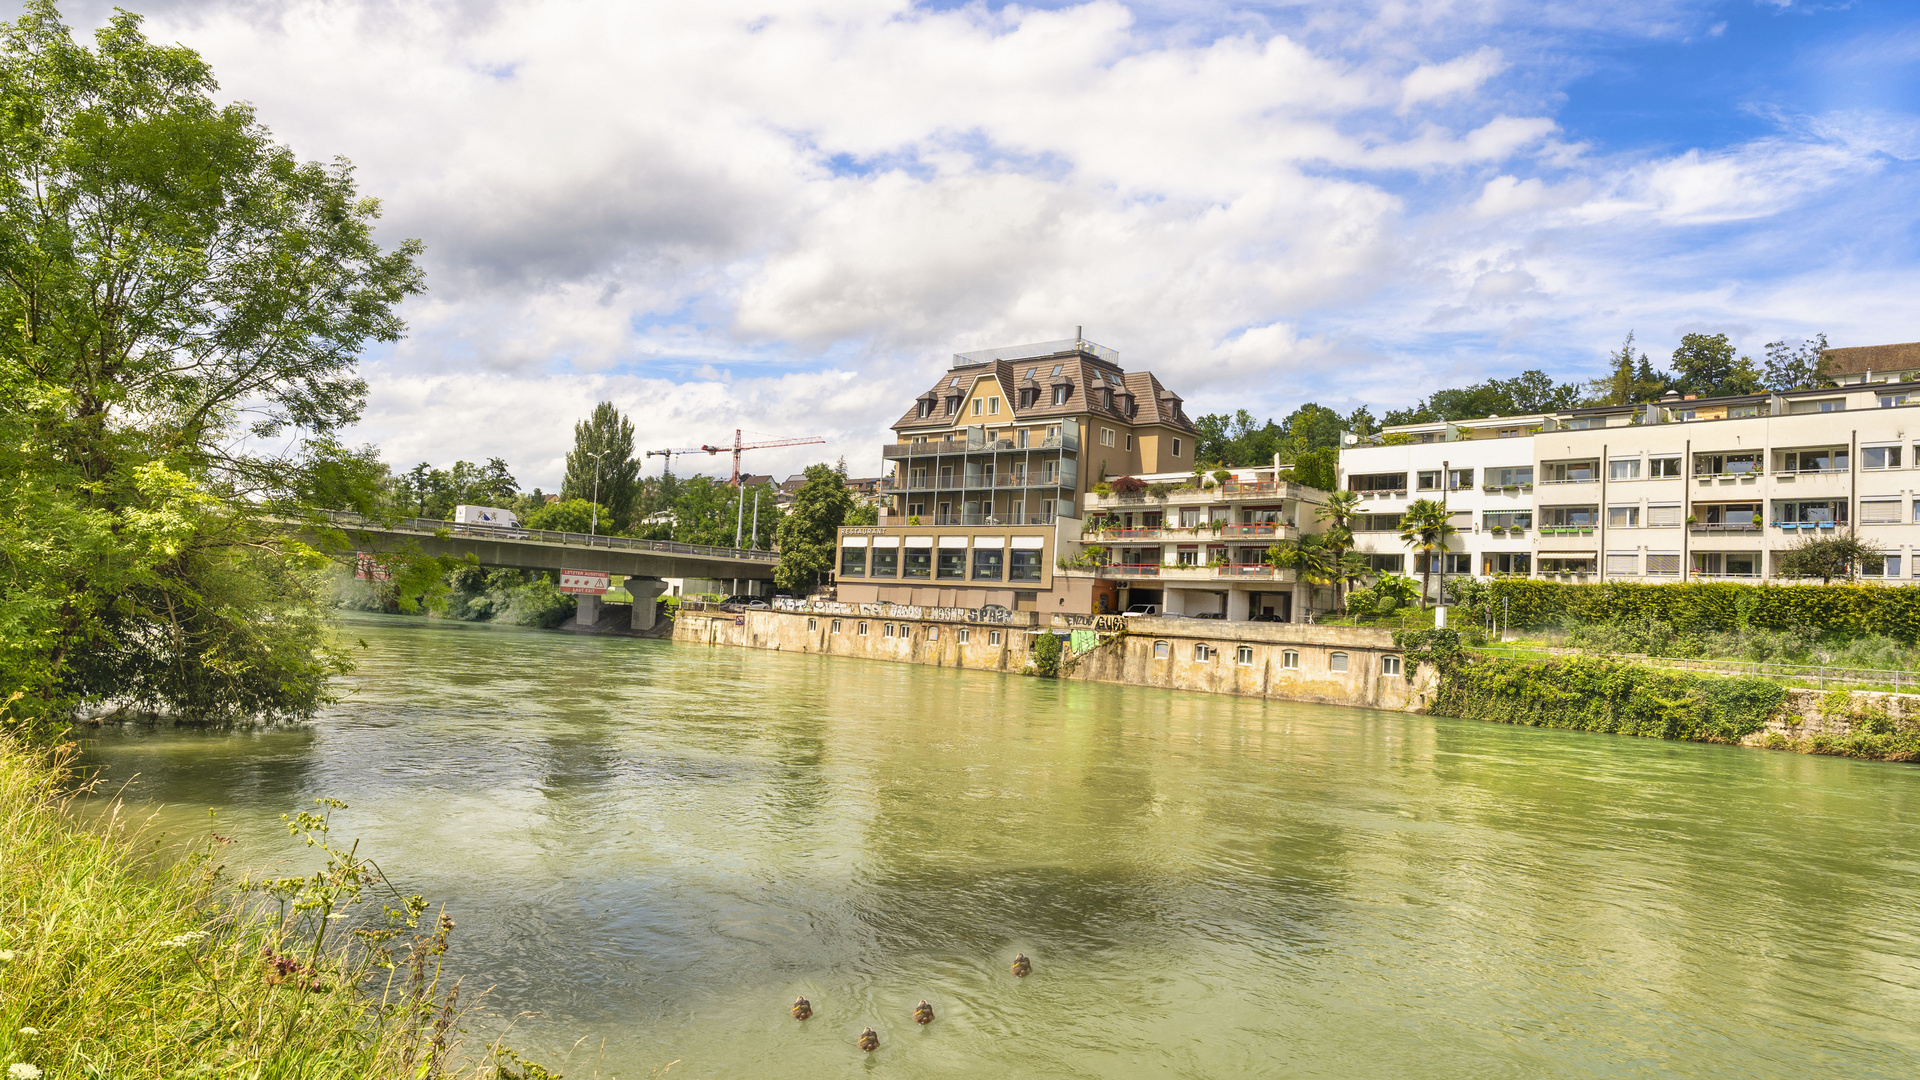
(1591,694)
(1046,656)
(1693,607)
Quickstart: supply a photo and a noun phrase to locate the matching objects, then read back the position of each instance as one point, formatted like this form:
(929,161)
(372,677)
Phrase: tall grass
(113,966)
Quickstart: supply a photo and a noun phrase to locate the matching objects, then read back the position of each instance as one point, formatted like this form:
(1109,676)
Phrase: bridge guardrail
(430,526)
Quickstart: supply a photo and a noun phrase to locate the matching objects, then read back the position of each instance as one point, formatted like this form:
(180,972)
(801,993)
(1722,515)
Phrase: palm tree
(1425,527)
(1338,512)
(1349,569)
(1309,557)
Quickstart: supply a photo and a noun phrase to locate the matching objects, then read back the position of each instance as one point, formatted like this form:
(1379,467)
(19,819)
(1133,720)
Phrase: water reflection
(661,847)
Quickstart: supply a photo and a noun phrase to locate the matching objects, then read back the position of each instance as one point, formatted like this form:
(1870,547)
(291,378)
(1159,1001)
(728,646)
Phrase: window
(1508,519)
(886,630)
(1203,651)
(1623,517)
(1879,457)
(993,637)
(1509,562)
(1663,468)
(919,563)
(1665,516)
(1160,650)
(1568,517)
(813,624)
(1513,477)
(1385,564)
(1056,371)
(1815,513)
(1742,412)
(1106,436)
(1824,460)
(1663,562)
(1623,469)
(884,562)
(1728,464)
(1389,665)
(1800,408)
(860,629)
(836,626)
(926,408)
(1023,565)
(1881,566)
(1427,480)
(1572,472)
(993,406)
(1623,562)
(952,564)
(977,405)
(1176,448)
(1290,660)
(1337,662)
(1585,423)
(1243,656)
(1129,445)
(1888,401)
(963,635)
(853,562)
(1060,394)
(988,563)
(1378,482)
(1879,512)
(1459,479)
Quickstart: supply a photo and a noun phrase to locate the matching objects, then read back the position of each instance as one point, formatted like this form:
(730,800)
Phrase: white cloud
(1461,75)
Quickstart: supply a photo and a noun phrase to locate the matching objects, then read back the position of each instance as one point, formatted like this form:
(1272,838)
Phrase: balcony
(1804,526)
(1566,530)
(1197,572)
(1190,496)
(1250,531)
(1713,527)
(976,442)
(1043,518)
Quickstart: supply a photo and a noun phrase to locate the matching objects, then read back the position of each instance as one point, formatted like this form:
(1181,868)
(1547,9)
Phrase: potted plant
(1693,519)
(1757,521)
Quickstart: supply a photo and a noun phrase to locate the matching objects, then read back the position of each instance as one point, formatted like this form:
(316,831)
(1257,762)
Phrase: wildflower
(29,1031)
(186,940)
(20,1070)
(6,955)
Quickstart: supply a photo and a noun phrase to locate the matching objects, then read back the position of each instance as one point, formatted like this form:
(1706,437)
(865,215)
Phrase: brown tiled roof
(1155,404)
(1860,359)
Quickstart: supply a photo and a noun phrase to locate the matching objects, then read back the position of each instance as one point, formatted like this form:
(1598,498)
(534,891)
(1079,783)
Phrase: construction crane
(737,446)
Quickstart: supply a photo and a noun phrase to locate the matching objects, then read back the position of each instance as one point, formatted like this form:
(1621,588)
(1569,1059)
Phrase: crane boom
(738,446)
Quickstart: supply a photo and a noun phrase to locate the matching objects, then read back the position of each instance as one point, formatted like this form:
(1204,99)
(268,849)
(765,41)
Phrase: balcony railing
(1240,489)
(1808,526)
(1724,527)
(1244,531)
(1566,530)
(1043,518)
(977,443)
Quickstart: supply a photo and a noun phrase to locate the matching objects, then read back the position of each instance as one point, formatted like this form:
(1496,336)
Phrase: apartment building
(1679,490)
(989,468)
(1200,548)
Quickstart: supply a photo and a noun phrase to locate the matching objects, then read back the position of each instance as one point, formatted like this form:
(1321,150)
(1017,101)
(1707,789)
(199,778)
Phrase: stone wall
(1288,661)
(1263,671)
(1851,723)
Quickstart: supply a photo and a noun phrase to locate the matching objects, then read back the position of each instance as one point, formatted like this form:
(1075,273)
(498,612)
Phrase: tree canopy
(184,303)
(810,532)
(600,467)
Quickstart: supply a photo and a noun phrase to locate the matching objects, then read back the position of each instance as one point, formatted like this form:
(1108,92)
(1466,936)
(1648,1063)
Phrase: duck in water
(923,1013)
(868,1040)
(1022,966)
(802,1008)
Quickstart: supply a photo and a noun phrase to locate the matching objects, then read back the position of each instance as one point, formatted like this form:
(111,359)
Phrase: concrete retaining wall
(904,641)
(1845,722)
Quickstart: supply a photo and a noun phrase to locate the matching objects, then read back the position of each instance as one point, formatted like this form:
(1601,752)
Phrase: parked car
(744,601)
(1209,615)
(1266,618)
(1142,609)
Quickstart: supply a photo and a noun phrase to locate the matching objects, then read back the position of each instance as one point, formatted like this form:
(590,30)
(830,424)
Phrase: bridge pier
(646,600)
(587,612)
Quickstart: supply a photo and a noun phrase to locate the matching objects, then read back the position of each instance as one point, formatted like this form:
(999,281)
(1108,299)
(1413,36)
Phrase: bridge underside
(646,566)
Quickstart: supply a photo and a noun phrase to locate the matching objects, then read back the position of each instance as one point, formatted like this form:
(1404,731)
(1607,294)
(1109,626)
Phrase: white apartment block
(1713,489)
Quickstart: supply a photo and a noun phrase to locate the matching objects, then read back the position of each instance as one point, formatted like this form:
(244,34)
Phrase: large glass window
(884,563)
(1738,463)
(1513,477)
(951,564)
(989,564)
(1572,472)
(919,563)
(1826,459)
(1623,469)
(1623,517)
(1663,468)
(1880,457)
(853,562)
(1023,565)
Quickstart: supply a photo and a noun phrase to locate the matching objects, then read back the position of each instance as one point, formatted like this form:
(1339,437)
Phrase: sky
(786,217)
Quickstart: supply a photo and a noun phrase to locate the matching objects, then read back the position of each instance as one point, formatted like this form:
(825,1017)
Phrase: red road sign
(591,582)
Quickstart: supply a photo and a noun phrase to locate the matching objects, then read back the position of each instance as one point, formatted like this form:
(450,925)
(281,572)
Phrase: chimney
(1691,397)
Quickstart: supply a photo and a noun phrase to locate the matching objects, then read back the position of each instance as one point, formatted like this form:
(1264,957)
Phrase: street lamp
(593,526)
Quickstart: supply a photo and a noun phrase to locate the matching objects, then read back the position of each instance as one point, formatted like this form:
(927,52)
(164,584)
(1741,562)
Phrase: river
(651,849)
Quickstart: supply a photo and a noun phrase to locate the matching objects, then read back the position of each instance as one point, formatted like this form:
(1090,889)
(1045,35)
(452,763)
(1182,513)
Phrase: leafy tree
(1318,468)
(1706,365)
(1798,367)
(496,485)
(1828,558)
(1309,557)
(1046,656)
(184,301)
(568,515)
(601,466)
(1528,392)
(811,530)
(1426,527)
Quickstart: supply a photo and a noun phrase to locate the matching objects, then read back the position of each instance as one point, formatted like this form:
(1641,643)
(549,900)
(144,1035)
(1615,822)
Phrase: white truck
(491,516)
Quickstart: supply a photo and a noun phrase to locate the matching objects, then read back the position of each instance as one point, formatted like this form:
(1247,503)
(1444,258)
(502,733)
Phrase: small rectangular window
(1663,562)
(1662,468)
(1623,562)
(861,630)
(1160,650)
(1129,445)
(963,635)
(1337,662)
(993,637)
(1880,457)
(1290,660)
(933,633)
(1879,512)
(836,626)
(976,406)
(1202,652)
(1176,448)
(1623,517)
(1106,436)
(886,630)
(1623,469)
(993,406)
(1244,656)
(853,562)
(1427,480)
(813,624)
(1389,665)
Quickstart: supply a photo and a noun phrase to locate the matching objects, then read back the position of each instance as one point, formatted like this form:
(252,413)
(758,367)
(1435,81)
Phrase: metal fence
(1819,674)
(434,526)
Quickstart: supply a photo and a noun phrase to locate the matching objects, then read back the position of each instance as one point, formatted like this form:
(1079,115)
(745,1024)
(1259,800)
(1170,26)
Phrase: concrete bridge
(642,562)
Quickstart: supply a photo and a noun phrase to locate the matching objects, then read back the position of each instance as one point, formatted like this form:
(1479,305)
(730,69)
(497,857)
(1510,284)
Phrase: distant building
(1860,364)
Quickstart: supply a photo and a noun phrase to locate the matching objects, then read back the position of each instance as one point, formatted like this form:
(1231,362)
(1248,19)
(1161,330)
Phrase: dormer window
(953,405)
(926,408)
(1106,398)
(1056,371)
(1061,393)
(1026,398)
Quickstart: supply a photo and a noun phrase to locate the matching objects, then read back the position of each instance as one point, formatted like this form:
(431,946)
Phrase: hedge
(1586,694)
(1701,606)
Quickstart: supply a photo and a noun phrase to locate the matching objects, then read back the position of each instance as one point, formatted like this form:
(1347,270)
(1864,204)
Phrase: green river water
(651,849)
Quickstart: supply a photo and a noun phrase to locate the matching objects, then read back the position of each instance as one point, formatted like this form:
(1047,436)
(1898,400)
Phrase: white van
(485,515)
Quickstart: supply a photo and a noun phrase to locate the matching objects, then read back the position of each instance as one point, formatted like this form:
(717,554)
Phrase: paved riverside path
(547,550)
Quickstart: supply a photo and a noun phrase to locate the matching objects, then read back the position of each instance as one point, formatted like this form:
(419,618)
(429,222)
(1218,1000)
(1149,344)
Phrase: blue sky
(785,217)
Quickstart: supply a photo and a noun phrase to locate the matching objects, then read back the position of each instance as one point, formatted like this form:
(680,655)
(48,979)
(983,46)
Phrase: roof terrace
(1065,346)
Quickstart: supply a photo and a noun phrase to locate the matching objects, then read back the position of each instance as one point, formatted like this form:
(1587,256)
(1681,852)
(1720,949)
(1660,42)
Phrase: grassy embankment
(111,966)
